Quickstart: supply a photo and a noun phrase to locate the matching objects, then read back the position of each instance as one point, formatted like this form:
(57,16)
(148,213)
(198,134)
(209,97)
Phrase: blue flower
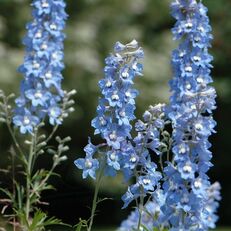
(150,215)
(113,159)
(190,112)
(41,92)
(26,121)
(117,105)
(88,165)
(132,193)
(54,112)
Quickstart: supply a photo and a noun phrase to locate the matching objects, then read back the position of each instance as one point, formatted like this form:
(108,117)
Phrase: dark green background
(92,29)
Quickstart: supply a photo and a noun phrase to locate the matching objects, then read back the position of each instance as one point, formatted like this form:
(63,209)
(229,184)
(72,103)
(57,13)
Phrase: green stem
(140,211)
(8,123)
(13,184)
(94,203)
(161,163)
(28,176)
(16,144)
(52,133)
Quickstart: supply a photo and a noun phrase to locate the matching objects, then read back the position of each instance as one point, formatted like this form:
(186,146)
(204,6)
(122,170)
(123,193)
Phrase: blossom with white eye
(198,126)
(188,69)
(53,26)
(113,136)
(48,75)
(26,120)
(44,41)
(36,65)
(89,166)
(38,35)
(44,46)
(187,168)
(108,84)
(45,4)
(188,25)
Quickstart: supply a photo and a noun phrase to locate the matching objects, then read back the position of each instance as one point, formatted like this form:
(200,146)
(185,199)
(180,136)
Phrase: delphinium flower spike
(188,203)
(41,92)
(139,164)
(152,142)
(115,110)
(114,115)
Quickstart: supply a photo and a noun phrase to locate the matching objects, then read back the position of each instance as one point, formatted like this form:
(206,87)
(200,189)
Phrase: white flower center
(188,25)
(88,164)
(201,29)
(200,80)
(198,126)
(48,75)
(113,156)
(53,26)
(26,120)
(113,136)
(197,184)
(193,107)
(38,95)
(115,96)
(54,56)
(125,75)
(53,112)
(188,86)
(188,69)
(38,35)
(181,54)
(45,4)
(185,199)
(182,149)
(122,113)
(36,65)
(197,39)
(187,168)
(128,94)
(146,181)
(133,159)
(102,121)
(44,46)
(197,58)
(108,84)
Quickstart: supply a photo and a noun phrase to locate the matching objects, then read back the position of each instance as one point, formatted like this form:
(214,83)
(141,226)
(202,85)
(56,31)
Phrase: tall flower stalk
(114,115)
(191,105)
(41,92)
(185,197)
(41,96)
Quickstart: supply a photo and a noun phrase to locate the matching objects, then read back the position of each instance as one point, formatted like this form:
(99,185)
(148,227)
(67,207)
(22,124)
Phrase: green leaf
(41,220)
(8,193)
(80,225)
(144,227)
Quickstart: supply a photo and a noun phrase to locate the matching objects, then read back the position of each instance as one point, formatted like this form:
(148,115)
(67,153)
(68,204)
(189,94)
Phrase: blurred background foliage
(92,29)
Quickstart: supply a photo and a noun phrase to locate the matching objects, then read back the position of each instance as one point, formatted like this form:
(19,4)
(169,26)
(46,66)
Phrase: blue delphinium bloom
(89,165)
(116,106)
(150,216)
(26,122)
(139,163)
(191,105)
(41,93)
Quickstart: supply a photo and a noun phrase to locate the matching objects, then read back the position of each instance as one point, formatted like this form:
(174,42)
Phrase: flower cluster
(115,110)
(181,195)
(41,93)
(191,105)
(147,143)
(152,210)
(151,215)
